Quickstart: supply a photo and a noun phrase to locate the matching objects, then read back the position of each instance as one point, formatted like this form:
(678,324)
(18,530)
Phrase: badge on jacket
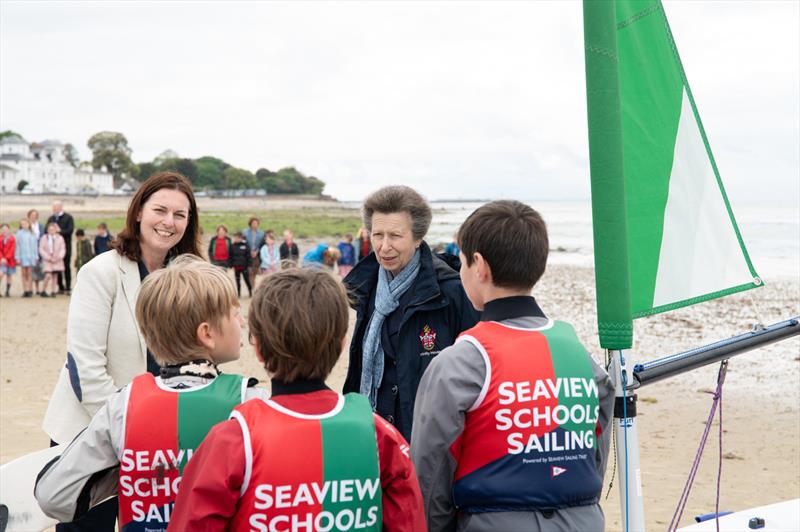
(428,338)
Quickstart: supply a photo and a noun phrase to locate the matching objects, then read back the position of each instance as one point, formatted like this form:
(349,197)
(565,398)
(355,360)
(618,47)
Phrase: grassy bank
(305,223)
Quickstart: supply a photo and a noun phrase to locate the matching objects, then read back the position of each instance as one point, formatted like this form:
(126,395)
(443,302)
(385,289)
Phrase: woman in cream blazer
(105,349)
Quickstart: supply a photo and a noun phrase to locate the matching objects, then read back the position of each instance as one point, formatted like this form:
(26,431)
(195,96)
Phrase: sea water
(771,233)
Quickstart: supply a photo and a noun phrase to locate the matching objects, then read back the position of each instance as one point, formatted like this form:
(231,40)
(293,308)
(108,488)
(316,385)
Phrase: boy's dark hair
(239,234)
(511,237)
(79,232)
(298,318)
(102,225)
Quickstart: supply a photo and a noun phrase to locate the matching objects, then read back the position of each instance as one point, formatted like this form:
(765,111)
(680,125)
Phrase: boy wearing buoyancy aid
(307,459)
(511,423)
(139,442)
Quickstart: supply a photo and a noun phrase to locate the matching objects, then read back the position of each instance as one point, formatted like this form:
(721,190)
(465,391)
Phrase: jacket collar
(129,274)
(299,386)
(507,308)
(363,279)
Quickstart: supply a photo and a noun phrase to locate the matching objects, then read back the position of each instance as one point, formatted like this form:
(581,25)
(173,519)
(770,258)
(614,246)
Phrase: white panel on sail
(700,253)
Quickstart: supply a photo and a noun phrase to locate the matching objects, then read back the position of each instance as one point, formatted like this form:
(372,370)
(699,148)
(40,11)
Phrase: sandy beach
(761,460)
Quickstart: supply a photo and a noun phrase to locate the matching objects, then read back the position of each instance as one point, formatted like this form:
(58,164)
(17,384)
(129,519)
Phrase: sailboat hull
(782,516)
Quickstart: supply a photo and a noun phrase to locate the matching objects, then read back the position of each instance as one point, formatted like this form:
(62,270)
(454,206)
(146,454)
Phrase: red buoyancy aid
(529,440)
(309,472)
(163,427)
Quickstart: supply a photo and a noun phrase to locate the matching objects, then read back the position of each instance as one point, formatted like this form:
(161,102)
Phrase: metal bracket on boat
(673,365)
(625,406)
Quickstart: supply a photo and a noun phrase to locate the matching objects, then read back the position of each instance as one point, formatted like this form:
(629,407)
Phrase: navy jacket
(432,313)
(240,255)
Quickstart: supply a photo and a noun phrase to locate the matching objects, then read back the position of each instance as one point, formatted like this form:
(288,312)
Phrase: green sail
(664,232)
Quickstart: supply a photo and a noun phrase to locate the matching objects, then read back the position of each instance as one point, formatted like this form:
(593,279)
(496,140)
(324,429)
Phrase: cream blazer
(105,348)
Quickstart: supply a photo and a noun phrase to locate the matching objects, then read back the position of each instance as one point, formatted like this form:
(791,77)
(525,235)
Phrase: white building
(46,169)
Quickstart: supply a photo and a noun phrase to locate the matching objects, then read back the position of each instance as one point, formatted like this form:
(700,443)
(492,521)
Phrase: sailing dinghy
(665,235)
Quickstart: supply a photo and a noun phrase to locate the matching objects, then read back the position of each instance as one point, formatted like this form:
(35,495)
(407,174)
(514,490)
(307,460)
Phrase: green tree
(21,185)
(313,185)
(210,172)
(165,156)
(110,150)
(9,133)
(182,166)
(71,154)
(289,180)
(145,170)
(238,178)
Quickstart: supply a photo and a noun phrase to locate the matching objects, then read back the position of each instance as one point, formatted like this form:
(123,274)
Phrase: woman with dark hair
(105,349)
(409,305)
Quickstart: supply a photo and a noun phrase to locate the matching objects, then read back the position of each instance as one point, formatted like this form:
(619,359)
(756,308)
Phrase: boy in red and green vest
(139,442)
(308,458)
(511,422)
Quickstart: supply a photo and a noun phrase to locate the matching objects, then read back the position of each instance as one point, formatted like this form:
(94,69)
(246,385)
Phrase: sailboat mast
(609,215)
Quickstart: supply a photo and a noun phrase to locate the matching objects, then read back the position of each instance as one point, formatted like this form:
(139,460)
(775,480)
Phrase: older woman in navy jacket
(409,305)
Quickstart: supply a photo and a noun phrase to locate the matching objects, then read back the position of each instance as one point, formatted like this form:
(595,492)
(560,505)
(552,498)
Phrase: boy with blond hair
(139,442)
(308,458)
(511,422)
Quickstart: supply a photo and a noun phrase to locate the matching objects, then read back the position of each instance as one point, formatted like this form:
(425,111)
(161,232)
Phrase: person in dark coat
(67,225)
(240,260)
(290,253)
(409,305)
(102,240)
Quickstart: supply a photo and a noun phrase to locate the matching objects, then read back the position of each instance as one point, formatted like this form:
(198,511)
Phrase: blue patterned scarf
(387,299)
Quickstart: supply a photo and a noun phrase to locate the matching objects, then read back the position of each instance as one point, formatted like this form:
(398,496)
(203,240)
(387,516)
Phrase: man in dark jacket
(67,225)
(429,315)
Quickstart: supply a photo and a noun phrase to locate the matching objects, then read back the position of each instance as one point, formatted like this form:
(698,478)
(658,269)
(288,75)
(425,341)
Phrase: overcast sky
(459,100)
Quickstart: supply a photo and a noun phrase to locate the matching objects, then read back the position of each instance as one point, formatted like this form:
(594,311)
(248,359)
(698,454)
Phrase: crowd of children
(510,431)
(250,253)
(253,253)
(42,254)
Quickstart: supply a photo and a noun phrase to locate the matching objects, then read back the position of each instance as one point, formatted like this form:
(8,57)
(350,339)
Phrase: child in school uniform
(139,442)
(240,260)
(511,423)
(8,248)
(83,249)
(52,250)
(26,255)
(348,255)
(308,458)
(270,255)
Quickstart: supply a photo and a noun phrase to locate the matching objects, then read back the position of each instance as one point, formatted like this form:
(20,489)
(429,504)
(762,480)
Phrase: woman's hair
(298,318)
(399,198)
(223,227)
(32,211)
(174,301)
(127,241)
(251,220)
